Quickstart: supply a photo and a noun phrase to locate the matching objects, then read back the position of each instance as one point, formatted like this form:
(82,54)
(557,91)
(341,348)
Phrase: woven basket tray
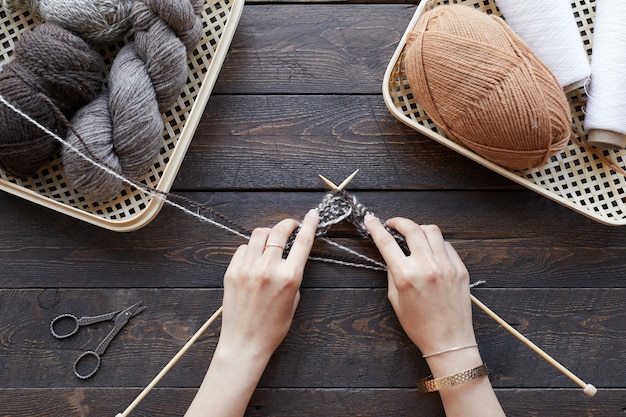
(132,209)
(587,180)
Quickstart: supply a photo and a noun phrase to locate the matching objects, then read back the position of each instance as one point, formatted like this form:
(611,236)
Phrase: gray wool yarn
(123,127)
(97,21)
(51,75)
(339,206)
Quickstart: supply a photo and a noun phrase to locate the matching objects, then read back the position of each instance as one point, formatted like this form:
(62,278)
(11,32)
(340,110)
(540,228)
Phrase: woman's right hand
(428,289)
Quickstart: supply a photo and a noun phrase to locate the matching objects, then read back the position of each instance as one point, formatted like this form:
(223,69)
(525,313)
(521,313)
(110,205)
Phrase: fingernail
(369,217)
(313,213)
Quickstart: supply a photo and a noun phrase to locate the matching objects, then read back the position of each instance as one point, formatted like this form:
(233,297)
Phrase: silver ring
(274,245)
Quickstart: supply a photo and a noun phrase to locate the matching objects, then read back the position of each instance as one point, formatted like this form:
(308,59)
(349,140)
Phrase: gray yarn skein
(96,21)
(51,75)
(123,128)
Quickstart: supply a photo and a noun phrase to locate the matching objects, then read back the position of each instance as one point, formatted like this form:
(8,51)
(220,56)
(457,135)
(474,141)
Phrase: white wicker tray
(582,178)
(133,209)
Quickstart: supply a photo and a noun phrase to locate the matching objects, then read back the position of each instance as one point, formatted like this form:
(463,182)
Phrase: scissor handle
(77,322)
(84,358)
(64,318)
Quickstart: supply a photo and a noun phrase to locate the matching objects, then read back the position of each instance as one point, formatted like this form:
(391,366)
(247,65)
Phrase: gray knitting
(338,206)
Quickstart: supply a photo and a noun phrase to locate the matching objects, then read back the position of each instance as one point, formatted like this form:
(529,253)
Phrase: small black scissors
(121,317)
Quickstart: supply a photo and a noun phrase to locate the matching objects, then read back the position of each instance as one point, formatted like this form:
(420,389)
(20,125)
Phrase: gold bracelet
(429,384)
(452,349)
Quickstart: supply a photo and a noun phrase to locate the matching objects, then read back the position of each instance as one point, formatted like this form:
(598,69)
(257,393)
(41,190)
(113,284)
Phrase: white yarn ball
(550,30)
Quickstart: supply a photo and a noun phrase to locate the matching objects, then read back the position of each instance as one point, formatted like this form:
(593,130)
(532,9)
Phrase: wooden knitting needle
(170,364)
(347,180)
(588,389)
(201,330)
(341,186)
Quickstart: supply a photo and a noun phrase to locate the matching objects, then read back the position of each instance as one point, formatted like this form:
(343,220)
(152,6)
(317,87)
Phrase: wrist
(452,349)
(453,362)
(241,358)
(230,381)
(430,384)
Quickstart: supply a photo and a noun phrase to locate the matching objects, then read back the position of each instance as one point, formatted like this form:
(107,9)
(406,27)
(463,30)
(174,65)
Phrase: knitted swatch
(123,127)
(485,88)
(97,21)
(51,75)
(338,206)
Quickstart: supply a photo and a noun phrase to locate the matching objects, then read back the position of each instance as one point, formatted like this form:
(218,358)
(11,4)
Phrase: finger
(415,238)
(303,243)
(390,251)
(386,244)
(278,236)
(236,260)
(392,290)
(257,242)
(435,240)
(456,260)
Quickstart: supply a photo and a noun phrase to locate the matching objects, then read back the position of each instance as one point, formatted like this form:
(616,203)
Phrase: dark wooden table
(300,94)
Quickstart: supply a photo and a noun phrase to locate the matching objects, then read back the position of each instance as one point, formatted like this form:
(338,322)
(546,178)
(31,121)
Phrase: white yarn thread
(549,28)
(605,112)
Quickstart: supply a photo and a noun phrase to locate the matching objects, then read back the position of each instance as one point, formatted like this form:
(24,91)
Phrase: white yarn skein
(549,28)
(96,21)
(605,113)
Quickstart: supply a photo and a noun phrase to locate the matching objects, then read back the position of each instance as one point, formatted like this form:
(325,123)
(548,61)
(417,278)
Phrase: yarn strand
(163,196)
(144,189)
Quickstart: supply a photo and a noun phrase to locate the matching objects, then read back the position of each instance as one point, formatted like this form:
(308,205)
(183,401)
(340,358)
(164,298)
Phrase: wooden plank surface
(354,332)
(313,48)
(302,402)
(258,141)
(511,239)
(300,94)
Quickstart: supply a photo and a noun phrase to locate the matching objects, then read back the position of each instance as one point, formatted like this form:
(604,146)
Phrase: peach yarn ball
(481,84)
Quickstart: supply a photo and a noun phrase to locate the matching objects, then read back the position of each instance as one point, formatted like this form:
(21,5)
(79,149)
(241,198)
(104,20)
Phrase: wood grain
(498,237)
(298,95)
(331,49)
(259,142)
(302,402)
(354,332)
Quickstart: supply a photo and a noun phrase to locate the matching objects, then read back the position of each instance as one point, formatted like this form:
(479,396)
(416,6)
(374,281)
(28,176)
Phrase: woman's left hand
(261,293)
(261,289)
